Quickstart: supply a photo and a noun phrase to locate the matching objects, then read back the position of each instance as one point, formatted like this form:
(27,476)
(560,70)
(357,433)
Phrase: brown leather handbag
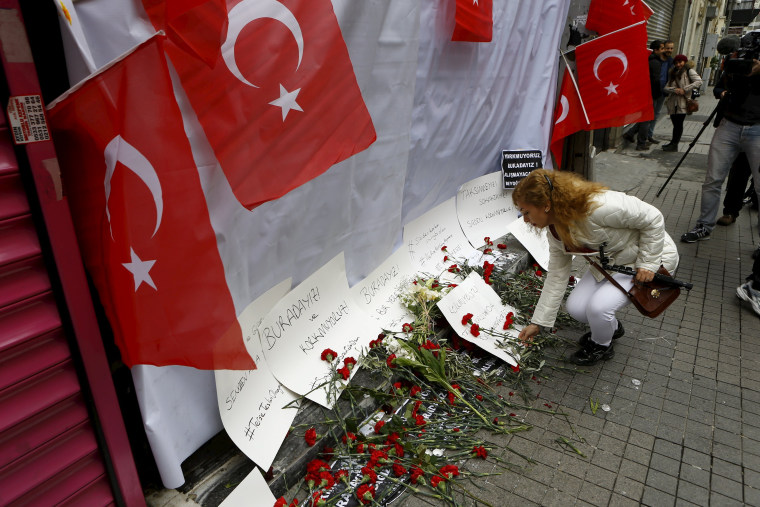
(651,298)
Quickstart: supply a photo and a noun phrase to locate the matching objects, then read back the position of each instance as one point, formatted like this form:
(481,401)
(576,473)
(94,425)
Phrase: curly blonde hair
(568,194)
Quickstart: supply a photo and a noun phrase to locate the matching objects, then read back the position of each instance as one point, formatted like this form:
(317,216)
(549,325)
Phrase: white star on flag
(475,2)
(140,270)
(612,88)
(287,101)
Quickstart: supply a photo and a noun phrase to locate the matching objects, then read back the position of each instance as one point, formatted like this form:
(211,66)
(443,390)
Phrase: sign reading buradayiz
(516,164)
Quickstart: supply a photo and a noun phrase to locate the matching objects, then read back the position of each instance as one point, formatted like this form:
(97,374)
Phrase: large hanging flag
(281,103)
(606,16)
(141,216)
(613,77)
(473,21)
(569,116)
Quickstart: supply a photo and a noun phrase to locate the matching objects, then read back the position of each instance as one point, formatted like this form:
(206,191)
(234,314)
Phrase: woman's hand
(679,91)
(644,275)
(528,332)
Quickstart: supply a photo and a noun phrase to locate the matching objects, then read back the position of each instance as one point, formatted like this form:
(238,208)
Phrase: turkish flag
(613,77)
(568,116)
(141,216)
(606,16)
(473,21)
(281,103)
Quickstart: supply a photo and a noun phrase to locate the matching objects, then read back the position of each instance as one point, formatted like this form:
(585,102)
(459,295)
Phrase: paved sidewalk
(683,426)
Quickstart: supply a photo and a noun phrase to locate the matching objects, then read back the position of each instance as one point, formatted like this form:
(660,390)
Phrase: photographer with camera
(738,129)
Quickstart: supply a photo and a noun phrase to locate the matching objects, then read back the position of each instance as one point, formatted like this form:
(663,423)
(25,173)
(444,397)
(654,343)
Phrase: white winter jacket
(635,235)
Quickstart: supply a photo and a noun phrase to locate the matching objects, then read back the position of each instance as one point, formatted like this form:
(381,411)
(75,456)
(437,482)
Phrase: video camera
(748,50)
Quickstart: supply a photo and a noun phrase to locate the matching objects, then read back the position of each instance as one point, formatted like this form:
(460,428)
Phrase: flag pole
(575,85)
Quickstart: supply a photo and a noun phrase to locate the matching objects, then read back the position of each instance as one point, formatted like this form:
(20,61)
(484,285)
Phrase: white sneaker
(750,295)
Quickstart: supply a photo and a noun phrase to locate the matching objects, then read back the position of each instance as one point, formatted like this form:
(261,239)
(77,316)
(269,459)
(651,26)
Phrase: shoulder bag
(651,298)
(692,106)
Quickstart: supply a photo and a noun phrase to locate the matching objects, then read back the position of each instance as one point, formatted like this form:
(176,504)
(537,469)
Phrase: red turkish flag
(613,77)
(281,104)
(568,116)
(473,21)
(606,16)
(141,217)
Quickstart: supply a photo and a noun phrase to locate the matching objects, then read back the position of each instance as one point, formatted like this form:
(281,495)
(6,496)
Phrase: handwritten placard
(252,487)
(251,402)
(378,294)
(425,236)
(534,240)
(319,314)
(484,208)
(475,296)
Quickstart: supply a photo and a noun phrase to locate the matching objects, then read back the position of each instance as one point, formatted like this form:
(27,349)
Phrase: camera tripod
(691,145)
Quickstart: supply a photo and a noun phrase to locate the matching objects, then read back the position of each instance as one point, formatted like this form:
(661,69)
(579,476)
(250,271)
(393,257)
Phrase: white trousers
(595,303)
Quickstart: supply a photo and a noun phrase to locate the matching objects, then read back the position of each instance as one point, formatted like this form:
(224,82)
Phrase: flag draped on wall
(605,16)
(141,216)
(197,26)
(613,86)
(473,21)
(281,103)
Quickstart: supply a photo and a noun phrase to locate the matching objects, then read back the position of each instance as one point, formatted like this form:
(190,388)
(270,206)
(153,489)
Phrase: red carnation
(365,493)
(281,502)
(454,269)
(414,391)
(419,420)
(501,246)
(480,452)
(487,251)
(475,330)
(443,248)
(344,372)
(328,355)
(310,436)
(417,472)
(538,272)
(445,258)
(516,369)
(379,426)
(341,474)
(391,360)
(348,436)
(369,475)
(407,328)
(488,241)
(509,320)
(349,362)
(449,471)
(398,469)
(467,319)
(479,397)
(436,480)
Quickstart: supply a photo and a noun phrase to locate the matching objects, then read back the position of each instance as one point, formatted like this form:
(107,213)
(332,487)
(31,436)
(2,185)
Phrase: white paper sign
(318,314)
(425,236)
(475,296)
(378,293)
(485,209)
(534,240)
(251,402)
(253,490)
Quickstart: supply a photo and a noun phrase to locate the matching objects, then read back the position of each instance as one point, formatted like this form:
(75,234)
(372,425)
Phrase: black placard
(516,164)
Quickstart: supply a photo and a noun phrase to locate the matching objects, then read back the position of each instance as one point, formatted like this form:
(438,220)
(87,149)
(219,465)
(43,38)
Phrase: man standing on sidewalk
(739,130)
(644,129)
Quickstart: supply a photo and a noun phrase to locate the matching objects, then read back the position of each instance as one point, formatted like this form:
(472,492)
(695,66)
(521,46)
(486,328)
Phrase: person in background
(737,193)
(642,129)
(750,291)
(667,63)
(738,131)
(682,80)
(582,215)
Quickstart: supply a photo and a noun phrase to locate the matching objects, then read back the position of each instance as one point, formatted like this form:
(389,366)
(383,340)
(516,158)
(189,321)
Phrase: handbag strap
(609,277)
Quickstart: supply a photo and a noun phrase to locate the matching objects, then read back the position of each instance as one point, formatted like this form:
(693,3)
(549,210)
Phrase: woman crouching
(581,216)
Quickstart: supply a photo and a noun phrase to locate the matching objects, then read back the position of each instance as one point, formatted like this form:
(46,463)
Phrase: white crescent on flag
(119,150)
(250,10)
(565,108)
